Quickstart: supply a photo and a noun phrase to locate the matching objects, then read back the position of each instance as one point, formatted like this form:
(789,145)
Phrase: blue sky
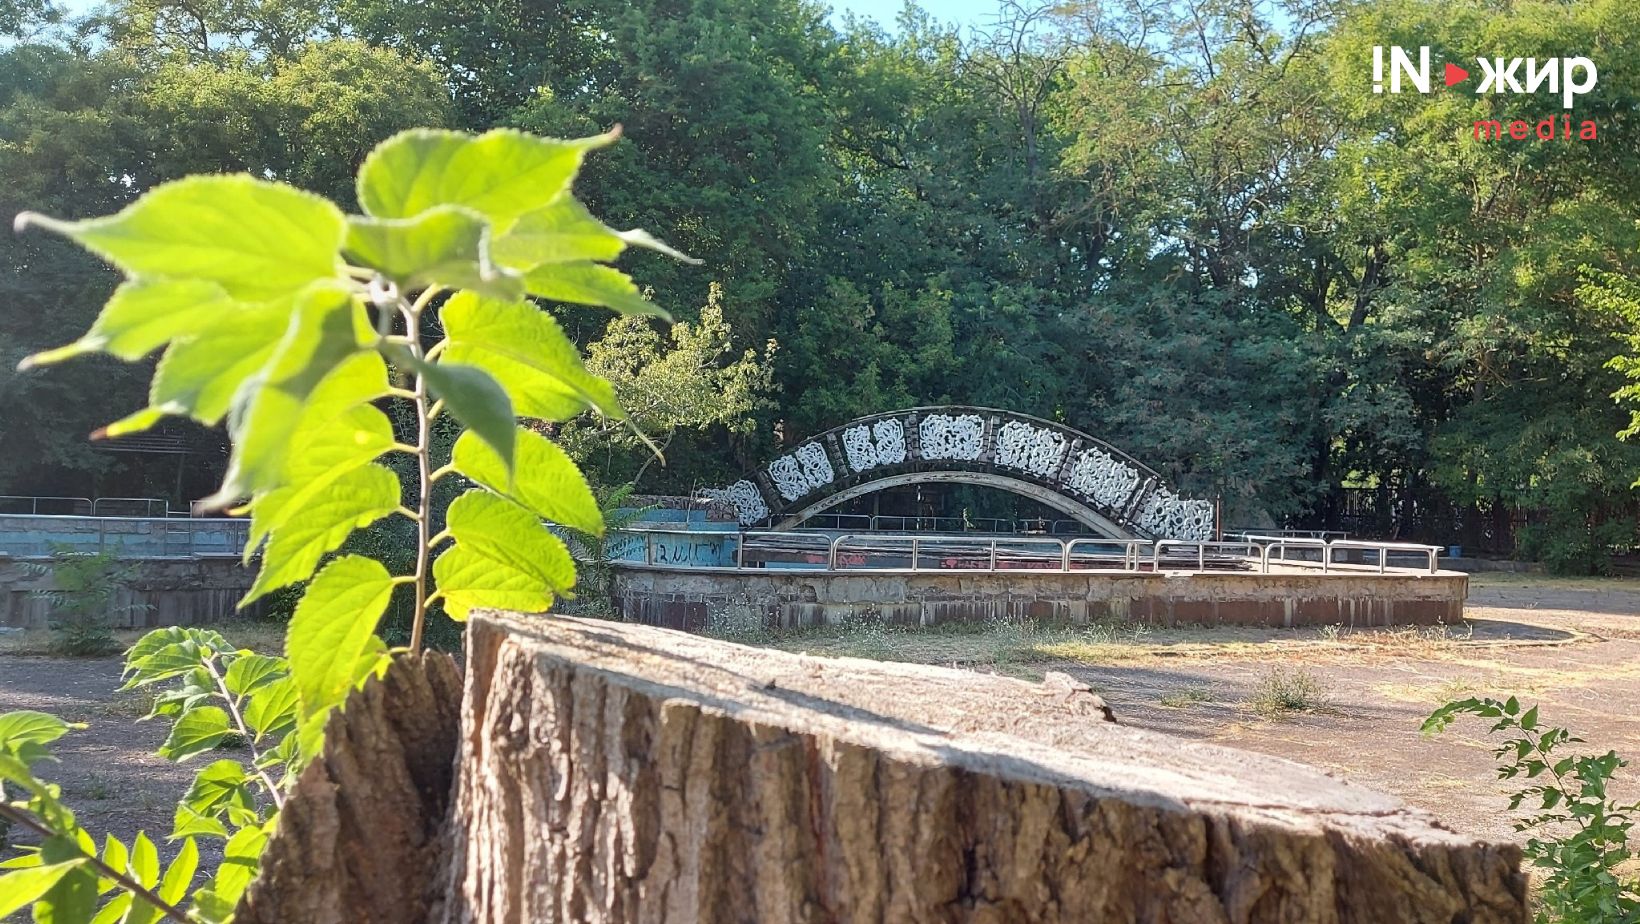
(961,12)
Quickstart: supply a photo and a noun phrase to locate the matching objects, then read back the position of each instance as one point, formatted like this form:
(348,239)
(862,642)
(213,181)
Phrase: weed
(1286,690)
(1188,696)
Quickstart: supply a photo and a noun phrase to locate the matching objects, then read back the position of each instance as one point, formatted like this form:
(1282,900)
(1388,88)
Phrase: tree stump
(361,836)
(610,773)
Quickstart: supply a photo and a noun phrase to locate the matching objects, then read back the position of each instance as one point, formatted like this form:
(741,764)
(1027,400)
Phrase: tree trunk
(618,773)
(361,835)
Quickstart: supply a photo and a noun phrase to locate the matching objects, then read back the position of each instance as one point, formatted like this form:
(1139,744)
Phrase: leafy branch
(297,324)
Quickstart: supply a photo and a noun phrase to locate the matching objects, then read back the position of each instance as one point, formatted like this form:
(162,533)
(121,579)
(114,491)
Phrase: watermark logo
(1568,77)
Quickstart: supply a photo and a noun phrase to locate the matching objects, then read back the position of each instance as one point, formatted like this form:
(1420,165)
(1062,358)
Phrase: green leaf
(273,708)
(354,500)
(199,730)
(249,673)
(189,822)
(501,174)
(163,638)
(503,557)
(257,239)
(144,861)
(20,888)
(72,899)
(527,352)
(198,376)
(478,401)
(114,912)
(565,232)
(144,315)
(338,431)
(327,327)
(218,785)
(240,860)
(180,874)
(26,726)
(334,625)
(547,482)
(114,856)
(590,284)
(446,246)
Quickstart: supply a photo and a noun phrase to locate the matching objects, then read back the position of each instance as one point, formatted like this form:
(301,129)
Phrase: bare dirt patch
(1572,646)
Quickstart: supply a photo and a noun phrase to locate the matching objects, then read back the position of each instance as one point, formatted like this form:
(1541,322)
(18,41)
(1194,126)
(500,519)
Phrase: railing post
(1201,556)
(993,555)
(648,548)
(915,544)
(740,550)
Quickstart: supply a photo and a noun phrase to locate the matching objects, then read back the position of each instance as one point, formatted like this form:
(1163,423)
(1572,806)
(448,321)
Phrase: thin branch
(27,820)
(245,732)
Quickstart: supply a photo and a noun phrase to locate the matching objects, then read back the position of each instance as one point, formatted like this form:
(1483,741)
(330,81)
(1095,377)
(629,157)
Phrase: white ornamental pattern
(958,437)
(882,443)
(804,470)
(1030,449)
(1169,516)
(1097,475)
(745,498)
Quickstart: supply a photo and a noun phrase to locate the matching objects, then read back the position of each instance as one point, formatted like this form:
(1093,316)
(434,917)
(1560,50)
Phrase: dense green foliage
(1578,834)
(1188,228)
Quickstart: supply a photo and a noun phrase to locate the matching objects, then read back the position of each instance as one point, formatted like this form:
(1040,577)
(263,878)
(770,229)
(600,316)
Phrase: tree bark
(619,773)
(361,835)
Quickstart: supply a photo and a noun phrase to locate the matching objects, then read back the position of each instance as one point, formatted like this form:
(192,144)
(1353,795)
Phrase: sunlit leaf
(18,889)
(28,726)
(354,500)
(547,480)
(337,432)
(527,352)
(273,709)
(327,327)
(590,284)
(333,626)
(144,315)
(503,557)
(501,174)
(189,822)
(255,238)
(563,231)
(180,873)
(447,246)
(198,376)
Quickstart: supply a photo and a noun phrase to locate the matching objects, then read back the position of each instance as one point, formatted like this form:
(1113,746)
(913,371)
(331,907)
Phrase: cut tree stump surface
(611,772)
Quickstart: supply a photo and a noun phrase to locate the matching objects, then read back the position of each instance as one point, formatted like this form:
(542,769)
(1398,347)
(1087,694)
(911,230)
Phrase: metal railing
(1236,552)
(889,552)
(1275,548)
(55,506)
(49,506)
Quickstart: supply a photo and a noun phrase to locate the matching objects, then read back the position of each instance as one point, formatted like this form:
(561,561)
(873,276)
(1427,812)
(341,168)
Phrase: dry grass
(1283,691)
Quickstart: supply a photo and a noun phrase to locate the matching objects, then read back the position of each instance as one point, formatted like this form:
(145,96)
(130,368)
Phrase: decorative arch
(1086,478)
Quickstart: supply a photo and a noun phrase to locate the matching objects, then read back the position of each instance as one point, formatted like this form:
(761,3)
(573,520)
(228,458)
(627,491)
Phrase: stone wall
(161,592)
(690,599)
